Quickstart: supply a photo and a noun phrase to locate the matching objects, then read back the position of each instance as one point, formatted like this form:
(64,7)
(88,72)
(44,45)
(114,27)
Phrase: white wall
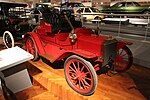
(138,0)
(12,0)
(87,4)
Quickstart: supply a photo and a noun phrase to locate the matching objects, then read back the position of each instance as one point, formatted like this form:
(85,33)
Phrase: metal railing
(128,26)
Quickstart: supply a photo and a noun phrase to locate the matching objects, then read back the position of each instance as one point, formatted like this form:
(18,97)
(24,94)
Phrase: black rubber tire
(97,18)
(130,60)
(146,12)
(31,42)
(78,87)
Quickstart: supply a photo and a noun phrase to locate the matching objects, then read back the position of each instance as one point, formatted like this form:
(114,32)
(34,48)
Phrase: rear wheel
(124,59)
(146,12)
(31,48)
(98,19)
(8,39)
(80,75)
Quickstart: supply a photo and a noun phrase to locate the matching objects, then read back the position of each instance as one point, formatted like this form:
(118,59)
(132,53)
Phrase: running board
(48,57)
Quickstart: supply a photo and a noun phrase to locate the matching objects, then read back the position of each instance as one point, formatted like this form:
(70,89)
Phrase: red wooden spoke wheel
(80,75)
(31,48)
(124,59)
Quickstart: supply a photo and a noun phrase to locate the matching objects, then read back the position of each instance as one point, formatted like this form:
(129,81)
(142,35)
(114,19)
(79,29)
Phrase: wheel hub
(80,75)
(119,58)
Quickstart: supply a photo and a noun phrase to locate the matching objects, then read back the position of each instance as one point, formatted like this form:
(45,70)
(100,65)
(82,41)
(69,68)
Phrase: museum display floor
(49,84)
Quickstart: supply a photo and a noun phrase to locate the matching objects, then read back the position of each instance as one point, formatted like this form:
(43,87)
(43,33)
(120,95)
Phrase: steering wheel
(8,39)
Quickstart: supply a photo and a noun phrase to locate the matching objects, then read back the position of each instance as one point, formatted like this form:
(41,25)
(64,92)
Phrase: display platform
(56,87)
(136,21)
(13,56)
(13,69)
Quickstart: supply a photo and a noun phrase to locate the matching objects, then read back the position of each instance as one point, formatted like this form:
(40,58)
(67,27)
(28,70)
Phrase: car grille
(110,52)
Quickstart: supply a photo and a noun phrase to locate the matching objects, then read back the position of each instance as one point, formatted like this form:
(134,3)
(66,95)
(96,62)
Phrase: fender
(77,52)
(121,44)
(37,40)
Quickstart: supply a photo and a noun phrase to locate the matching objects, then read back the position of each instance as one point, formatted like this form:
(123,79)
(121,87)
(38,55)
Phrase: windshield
(12,9)
(119,4)
(124,4)
(72,5)
(95,10)
(16,12)
(80,5)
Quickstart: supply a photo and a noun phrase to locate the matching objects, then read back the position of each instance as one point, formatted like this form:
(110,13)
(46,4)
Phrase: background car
(126,8)
(12,17)
(13,21)
(71,6)
(89,11)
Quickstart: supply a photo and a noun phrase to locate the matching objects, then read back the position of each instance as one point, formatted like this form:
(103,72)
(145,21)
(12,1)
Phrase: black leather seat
(59,22)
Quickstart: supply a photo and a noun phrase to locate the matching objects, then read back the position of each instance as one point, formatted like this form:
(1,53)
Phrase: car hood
(91,43)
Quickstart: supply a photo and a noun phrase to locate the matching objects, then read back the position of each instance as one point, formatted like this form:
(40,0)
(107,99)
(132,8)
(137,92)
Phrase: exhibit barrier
(128,26)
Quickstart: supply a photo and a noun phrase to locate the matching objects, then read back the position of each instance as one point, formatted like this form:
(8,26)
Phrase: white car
(92,13)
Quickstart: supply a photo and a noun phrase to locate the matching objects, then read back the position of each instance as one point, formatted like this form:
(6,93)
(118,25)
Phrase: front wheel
(80,75)
(8,39)
(31,48)
(124,59)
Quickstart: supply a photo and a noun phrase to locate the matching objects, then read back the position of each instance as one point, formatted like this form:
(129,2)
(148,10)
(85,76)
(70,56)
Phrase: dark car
(13,20)
(71,5)
(126,8)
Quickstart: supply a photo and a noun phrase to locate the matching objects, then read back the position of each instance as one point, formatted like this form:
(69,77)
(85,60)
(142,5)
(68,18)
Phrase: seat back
(52,18)
(58,21)
(64,23)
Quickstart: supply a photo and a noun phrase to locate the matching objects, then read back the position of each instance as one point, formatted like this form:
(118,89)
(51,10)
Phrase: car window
(1,15)
(95,10)
(72,5)
(64,5)
(80,10)
(136,4)
(120,4)
(80,5)
(87,10)
(129,4)
(76,5)
(16,11)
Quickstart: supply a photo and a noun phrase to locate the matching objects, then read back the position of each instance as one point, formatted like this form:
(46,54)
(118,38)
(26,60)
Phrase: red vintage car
(84,54)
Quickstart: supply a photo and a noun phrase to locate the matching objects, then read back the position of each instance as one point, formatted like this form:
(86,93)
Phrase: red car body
(83,53)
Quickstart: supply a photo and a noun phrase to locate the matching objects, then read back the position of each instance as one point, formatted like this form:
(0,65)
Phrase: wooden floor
(49,84)
(132,85)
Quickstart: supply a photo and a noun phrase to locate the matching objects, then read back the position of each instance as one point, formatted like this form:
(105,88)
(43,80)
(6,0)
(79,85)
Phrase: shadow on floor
(141,77)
